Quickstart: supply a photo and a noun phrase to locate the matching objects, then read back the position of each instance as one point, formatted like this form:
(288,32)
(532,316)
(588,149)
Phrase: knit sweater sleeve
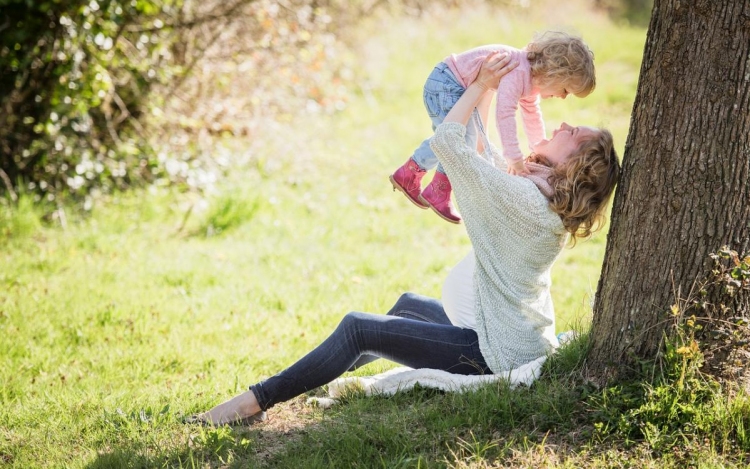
(492,192)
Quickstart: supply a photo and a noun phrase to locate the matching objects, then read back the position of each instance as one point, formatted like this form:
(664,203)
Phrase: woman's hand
(494,67)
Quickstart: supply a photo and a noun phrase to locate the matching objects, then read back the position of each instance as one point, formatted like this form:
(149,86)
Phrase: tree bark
(685,186)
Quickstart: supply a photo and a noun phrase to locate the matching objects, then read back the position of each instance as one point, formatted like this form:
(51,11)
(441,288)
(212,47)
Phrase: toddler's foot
(408,179)
(437,196)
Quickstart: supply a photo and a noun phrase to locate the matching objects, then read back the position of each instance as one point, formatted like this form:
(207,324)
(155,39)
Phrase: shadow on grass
(224,447)
(417,428)
(562,420)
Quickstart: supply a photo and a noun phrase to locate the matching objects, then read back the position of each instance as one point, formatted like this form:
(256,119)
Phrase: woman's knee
(419,308)
(403,303)
(351,321)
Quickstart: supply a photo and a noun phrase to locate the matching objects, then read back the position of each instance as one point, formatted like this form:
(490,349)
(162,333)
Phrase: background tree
(685,190)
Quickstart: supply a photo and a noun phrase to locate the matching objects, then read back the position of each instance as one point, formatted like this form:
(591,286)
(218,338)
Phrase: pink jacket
(514,91)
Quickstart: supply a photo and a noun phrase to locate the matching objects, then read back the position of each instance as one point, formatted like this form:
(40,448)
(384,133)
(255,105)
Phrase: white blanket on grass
(404,378)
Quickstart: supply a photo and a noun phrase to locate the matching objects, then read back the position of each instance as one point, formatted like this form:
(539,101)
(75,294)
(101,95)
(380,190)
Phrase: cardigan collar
(539,174)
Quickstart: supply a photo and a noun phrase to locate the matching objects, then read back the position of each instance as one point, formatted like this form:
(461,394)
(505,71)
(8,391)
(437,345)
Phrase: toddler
(554,64)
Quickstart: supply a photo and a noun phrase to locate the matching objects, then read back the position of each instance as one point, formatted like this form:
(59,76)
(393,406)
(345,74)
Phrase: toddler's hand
(517,168)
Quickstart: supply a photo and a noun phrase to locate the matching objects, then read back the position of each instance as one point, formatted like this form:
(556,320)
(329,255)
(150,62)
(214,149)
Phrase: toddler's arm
(508,96)
(533,123)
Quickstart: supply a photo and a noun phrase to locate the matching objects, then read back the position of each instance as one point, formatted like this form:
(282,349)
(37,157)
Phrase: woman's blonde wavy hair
(558,58)
(583,185)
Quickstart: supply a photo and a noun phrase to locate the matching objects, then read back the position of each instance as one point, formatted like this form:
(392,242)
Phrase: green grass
(158,304)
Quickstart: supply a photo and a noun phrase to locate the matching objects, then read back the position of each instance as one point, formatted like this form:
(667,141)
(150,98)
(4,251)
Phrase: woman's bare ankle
(235,409)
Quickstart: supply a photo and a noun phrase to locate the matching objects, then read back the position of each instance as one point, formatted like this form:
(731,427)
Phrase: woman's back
(516,239)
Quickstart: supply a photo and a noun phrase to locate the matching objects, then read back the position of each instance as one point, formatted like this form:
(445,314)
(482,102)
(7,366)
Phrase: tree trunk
(685,188)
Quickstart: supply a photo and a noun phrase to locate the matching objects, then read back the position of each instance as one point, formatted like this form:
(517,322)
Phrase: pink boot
(408,179)
(437,196)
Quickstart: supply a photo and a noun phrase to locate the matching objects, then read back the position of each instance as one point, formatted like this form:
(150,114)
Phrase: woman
(498,311)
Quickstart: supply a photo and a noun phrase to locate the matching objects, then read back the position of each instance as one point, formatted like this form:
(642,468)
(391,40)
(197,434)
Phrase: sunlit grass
(157,300)
(158,304)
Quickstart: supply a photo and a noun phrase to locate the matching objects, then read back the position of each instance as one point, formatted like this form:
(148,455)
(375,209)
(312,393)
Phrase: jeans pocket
(477,359)
(439,103)
(449,100)
(432,103)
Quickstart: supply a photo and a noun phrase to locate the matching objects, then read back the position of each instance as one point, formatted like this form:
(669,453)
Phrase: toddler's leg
(443,94)
(441,91)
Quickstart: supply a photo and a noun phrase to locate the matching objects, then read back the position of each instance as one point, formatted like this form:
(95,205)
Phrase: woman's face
(564,142)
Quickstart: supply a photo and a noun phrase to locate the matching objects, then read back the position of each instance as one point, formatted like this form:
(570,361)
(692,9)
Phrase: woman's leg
(241,409)
(416,344)
(420,308)
(411,306)
(416,308)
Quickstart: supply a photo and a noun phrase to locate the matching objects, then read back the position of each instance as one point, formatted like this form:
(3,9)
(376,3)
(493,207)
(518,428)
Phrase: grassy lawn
(157,304)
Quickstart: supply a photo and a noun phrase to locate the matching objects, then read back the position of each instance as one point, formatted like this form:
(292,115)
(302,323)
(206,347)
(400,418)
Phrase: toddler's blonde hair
(560,58)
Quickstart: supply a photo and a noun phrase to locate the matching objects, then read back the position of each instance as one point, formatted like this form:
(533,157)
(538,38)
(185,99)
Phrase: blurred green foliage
(102,95)
(635,12)
(74,77)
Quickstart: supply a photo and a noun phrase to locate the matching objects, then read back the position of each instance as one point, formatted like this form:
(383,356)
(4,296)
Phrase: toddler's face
(553,91)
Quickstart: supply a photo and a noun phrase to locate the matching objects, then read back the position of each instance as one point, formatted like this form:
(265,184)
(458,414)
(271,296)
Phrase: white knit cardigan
(516,238)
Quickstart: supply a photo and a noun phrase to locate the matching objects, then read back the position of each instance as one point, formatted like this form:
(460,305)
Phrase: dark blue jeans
(415,333)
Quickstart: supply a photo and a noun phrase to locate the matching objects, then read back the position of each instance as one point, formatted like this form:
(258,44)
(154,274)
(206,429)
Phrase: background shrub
(102,95)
